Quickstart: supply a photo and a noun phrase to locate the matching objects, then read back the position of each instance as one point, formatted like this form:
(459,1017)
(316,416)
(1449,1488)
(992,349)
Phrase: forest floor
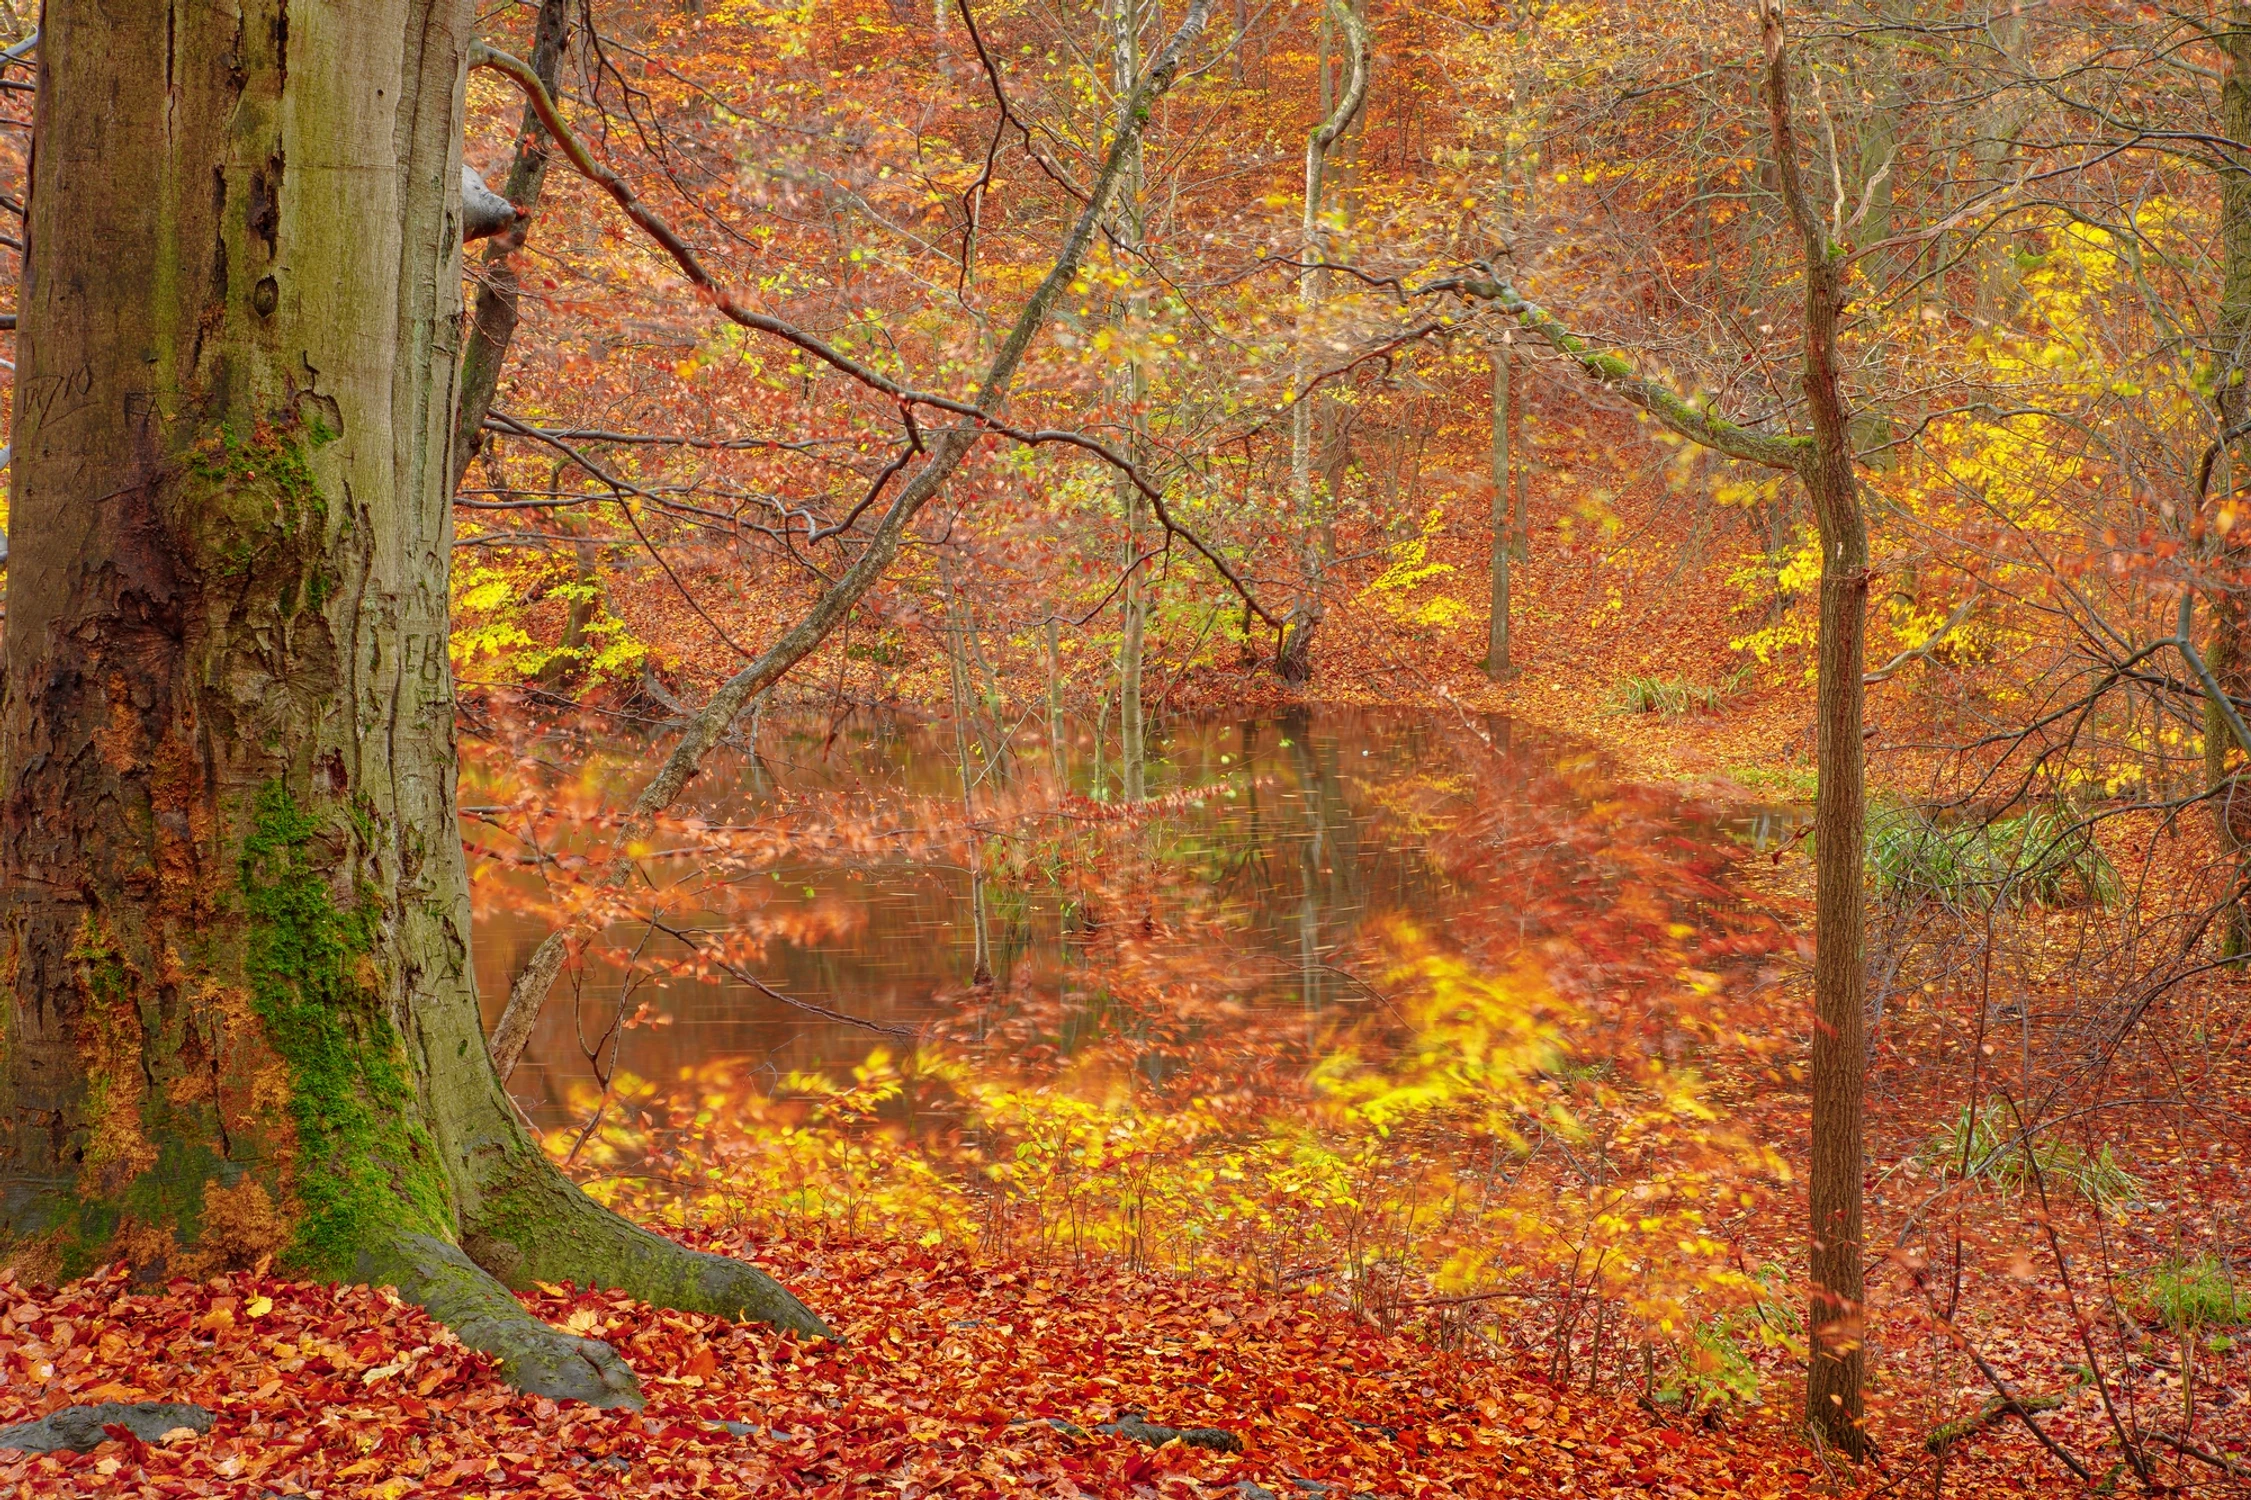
(982,1375)
(955,1376)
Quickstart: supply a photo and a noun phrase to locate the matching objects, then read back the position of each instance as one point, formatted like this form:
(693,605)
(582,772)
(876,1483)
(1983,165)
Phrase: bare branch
(952,444)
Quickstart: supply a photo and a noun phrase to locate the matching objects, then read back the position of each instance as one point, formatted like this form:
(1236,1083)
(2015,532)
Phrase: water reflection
(1280,849)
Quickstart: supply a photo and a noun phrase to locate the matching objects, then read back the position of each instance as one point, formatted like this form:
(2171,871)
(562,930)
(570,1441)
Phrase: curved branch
(1912,654)
(1701,427)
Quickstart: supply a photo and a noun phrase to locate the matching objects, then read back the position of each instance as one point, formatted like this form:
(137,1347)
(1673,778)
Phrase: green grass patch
(2042,858)
(1988,1145)
(2189,1295)
(1793,785)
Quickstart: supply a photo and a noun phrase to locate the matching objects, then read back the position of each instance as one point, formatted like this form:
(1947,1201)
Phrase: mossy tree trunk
(1497,662)
(234,919)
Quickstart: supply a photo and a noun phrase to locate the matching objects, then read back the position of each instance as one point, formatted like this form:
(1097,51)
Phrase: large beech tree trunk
(234,925)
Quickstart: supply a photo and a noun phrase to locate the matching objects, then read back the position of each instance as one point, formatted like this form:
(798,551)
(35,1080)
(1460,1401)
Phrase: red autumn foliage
(952,1380)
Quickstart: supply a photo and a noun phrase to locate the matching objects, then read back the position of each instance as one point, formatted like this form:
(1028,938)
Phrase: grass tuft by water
(2044,858)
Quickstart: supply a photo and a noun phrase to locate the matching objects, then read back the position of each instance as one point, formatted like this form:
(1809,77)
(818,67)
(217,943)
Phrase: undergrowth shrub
(1669,697)
(1989,1145)
(1714,1372)
(2043,858)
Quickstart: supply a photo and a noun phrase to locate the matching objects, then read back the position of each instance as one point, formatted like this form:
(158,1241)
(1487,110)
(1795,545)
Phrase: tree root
(543,1228)
(82,1429)
(534,1356)
(1947,1434)
(1132,1425)
(2188,1448)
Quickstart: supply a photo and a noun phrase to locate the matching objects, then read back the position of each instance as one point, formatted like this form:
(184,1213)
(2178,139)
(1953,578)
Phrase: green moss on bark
(366,1168)
(250,502)
(533,1224)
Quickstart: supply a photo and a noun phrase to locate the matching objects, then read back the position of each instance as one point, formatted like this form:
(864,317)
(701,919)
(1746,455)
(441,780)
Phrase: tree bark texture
(2225,653)
(234,918)
(1497,663)
(1837,1354)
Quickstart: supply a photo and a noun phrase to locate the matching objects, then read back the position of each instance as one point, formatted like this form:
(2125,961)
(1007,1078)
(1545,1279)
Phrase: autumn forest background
(1185,773)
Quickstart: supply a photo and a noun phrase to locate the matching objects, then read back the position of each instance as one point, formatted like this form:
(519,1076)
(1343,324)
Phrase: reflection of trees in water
(1258,917)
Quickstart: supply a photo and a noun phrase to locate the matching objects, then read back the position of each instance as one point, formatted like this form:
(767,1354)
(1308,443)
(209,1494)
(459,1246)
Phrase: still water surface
(1282,850)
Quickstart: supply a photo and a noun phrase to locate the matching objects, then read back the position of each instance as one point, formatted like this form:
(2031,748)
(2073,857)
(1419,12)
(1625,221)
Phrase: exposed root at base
(546,1229)
(534,1356)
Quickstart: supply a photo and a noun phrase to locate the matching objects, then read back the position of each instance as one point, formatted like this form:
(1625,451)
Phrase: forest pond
(1270,876)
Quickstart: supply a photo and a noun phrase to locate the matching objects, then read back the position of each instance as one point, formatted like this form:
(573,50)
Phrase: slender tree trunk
(1520,459)
(234,918)
(1826,463)
(1293,656)
(2225,651)
(1133,750)
(2224,655)
(1133,384)
(1521,207)
(1059,765)
(1497,662)
(1991,269)
(492,324)
(569,662)
(1838,1355)
(1877,157)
